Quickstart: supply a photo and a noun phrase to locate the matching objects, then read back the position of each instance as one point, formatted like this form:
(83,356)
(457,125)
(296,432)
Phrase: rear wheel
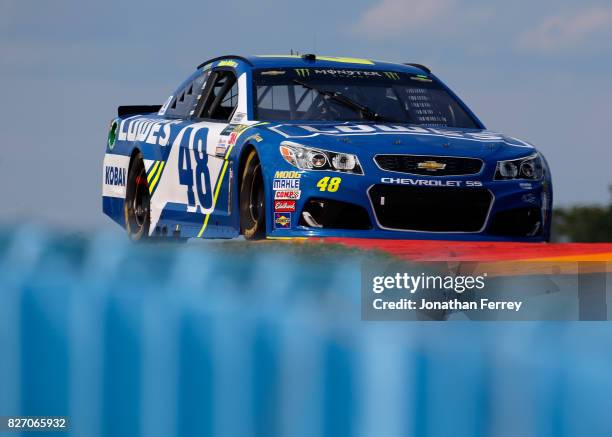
(137,201)
(252,200)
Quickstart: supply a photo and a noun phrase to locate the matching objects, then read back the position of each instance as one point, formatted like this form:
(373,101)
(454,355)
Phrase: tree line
(583,223)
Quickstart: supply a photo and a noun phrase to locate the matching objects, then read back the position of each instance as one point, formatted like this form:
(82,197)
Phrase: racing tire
(137,201)
(252,199)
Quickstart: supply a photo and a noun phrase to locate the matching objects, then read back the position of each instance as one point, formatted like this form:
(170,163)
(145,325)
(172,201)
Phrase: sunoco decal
(282,220)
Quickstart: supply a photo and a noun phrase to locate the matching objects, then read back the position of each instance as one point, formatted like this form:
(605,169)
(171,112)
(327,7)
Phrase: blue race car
(314,146)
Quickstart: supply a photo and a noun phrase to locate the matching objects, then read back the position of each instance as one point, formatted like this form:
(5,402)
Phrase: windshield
(313,94)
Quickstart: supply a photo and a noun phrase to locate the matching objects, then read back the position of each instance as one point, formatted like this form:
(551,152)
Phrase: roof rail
(420,67)
(218,58)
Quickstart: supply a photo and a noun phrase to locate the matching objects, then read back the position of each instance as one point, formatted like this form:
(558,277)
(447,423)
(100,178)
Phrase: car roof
(299,61)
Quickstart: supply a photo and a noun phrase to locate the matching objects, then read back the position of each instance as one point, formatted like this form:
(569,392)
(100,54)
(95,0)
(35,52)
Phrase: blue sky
(540,71)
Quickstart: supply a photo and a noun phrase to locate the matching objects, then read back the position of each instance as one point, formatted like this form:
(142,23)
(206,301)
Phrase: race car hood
(403,139)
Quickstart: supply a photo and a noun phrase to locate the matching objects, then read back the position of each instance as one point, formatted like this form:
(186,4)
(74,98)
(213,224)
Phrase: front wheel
(252,200)
(137,201)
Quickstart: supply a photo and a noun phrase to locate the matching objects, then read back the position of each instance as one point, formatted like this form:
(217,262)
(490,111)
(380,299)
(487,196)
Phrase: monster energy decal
(302,72)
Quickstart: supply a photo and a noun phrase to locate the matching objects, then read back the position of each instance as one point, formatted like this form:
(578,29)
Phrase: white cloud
(390,18)
(568,31)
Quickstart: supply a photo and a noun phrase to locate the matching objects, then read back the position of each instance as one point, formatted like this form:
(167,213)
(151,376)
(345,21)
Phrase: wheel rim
(256,196)
(140,203)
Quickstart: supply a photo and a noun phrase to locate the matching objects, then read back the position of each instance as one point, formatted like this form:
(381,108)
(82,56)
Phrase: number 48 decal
(329,184)
(201,175)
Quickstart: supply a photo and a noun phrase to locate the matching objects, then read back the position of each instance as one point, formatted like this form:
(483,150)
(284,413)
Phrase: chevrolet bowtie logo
(431,165)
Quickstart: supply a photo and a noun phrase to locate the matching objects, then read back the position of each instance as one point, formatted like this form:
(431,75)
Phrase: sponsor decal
(392,75)
(287,174)
(430,183)
(302,72)
(272,72)
(529,198)
(526,185)
(287,195)
(345,73)
(146,130)
(112,135)
(221,146)
(238,128)
(227,63)
(284,205)
(232,138)
(307,131)
(255,137)
(282,220)
(115,176)
(286,184)
(421,78)
(238,117)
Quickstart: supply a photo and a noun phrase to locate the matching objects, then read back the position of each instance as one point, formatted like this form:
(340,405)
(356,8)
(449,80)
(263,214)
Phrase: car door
(197,163)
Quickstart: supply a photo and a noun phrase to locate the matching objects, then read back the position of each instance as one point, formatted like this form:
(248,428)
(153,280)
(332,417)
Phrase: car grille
(430,209)
(453,166)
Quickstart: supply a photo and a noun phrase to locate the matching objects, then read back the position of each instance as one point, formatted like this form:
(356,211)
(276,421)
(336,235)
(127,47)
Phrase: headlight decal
(309,158)
(528,168)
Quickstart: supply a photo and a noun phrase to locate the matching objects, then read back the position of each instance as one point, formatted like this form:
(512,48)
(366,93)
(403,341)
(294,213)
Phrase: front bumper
(435,208)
